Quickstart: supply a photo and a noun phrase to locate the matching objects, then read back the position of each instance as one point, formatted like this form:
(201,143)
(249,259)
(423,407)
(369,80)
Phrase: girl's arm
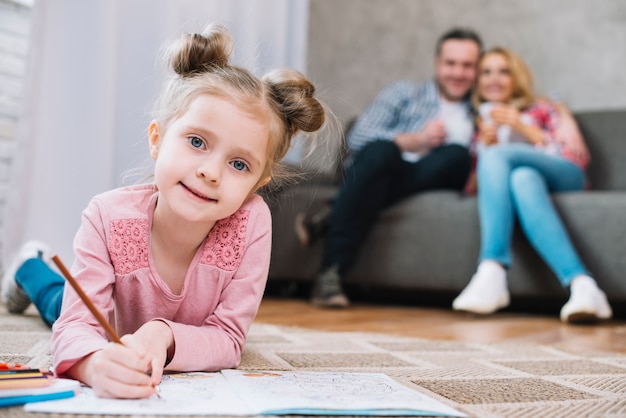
(76,333)
(79,344)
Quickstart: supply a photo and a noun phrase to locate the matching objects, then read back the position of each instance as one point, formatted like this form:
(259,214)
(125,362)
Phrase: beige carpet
(495,380)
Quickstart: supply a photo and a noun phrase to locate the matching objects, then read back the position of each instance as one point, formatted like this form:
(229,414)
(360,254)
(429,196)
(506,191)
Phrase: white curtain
(94,70)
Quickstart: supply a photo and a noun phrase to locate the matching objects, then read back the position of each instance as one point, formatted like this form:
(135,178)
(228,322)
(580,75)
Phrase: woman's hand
(487,132)
(508,115)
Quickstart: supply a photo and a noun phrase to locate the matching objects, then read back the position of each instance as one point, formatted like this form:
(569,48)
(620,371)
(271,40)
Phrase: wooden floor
(445,324)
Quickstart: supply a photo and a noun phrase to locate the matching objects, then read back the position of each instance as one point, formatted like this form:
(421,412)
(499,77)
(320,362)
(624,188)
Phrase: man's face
(455,68)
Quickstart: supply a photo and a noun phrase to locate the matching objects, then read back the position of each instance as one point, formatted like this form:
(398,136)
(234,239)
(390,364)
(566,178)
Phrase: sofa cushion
(605,134)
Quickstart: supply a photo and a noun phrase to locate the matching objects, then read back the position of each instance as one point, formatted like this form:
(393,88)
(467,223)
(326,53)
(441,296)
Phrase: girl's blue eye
(196,142)
(239,165)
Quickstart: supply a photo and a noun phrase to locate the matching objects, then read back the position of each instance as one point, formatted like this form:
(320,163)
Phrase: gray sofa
(429,243)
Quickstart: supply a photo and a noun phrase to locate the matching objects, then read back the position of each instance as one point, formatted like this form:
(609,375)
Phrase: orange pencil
(4,376)
(101,319)
(26,382)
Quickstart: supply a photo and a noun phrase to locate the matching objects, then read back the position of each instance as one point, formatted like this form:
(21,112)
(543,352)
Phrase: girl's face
(208,161)
(495,83)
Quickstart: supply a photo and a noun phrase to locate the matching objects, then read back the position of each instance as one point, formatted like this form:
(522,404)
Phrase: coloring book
(244,393)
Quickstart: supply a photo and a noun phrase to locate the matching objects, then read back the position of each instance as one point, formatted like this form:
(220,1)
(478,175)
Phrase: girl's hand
(131,370)
(116,371)
(156,340)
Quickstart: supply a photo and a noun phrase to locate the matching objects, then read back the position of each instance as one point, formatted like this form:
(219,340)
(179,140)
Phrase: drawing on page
(334,387)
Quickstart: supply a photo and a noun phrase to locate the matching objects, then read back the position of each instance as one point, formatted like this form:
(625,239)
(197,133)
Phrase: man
(413,137)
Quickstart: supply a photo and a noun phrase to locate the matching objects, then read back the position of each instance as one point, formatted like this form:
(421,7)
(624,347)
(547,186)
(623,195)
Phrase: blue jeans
(516,179)
(43,286)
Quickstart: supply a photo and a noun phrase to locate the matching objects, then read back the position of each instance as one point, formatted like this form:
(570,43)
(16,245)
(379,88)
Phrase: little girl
(517,171)
(179,266)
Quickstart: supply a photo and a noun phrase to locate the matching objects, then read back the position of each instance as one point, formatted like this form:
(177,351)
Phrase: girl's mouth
(193,192)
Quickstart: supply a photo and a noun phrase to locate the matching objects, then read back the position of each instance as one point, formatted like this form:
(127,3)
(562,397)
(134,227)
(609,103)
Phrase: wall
(14,31)
(575,48)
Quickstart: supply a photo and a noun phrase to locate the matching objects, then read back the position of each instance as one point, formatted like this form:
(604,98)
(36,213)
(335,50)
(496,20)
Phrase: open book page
(238,393)
(181,394)
(331,393)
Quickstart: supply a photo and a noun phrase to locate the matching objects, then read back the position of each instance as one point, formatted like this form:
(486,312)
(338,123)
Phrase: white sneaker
(13,297)
(486,292)
(587,303)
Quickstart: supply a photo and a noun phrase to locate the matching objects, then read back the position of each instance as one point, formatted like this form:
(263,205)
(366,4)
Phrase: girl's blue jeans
(43,286)
(515,180)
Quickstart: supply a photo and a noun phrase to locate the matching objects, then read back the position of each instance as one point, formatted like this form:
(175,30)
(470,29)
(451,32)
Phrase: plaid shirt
(400,107)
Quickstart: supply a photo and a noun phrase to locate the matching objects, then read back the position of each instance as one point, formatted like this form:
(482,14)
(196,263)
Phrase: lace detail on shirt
(129,244)
(226,244)
(224,247)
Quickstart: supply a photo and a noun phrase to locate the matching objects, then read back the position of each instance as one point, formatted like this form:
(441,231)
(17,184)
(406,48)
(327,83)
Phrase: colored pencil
(101,319)
(23,399)
(12,366)
(26,382)
(21,376)
(23,371)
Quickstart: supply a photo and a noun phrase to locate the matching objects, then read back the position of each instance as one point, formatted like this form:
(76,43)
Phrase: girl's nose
(210,171)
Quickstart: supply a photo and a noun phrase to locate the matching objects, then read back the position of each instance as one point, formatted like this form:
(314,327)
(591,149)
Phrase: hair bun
(295,95)
(198,53)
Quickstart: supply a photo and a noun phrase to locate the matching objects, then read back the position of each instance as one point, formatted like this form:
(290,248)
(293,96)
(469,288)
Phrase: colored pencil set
(24,378)
(22,384)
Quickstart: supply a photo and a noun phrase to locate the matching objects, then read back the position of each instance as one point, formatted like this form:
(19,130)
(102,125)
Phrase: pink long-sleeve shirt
(113,263)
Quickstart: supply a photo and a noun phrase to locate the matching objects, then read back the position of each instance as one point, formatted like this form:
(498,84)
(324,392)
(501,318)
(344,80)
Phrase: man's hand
(433,135)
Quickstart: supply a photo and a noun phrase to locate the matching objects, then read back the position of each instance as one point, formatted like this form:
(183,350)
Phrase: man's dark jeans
(378,178)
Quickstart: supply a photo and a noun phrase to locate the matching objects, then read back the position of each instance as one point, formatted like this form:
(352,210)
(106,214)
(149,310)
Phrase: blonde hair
(521,77)
(201,64)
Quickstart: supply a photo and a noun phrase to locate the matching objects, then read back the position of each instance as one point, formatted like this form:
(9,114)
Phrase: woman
(521,162)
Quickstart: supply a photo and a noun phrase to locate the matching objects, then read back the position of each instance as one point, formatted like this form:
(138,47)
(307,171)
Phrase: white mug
(504,131)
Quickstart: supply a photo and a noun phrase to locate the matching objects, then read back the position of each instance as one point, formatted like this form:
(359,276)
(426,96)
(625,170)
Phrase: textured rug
(495,380)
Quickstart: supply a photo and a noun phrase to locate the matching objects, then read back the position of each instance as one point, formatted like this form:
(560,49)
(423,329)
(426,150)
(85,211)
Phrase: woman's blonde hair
(201,64)
(521,77)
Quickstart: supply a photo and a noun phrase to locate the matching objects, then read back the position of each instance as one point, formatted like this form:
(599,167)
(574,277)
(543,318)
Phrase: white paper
(331,392)
(237,392)
(181,394)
